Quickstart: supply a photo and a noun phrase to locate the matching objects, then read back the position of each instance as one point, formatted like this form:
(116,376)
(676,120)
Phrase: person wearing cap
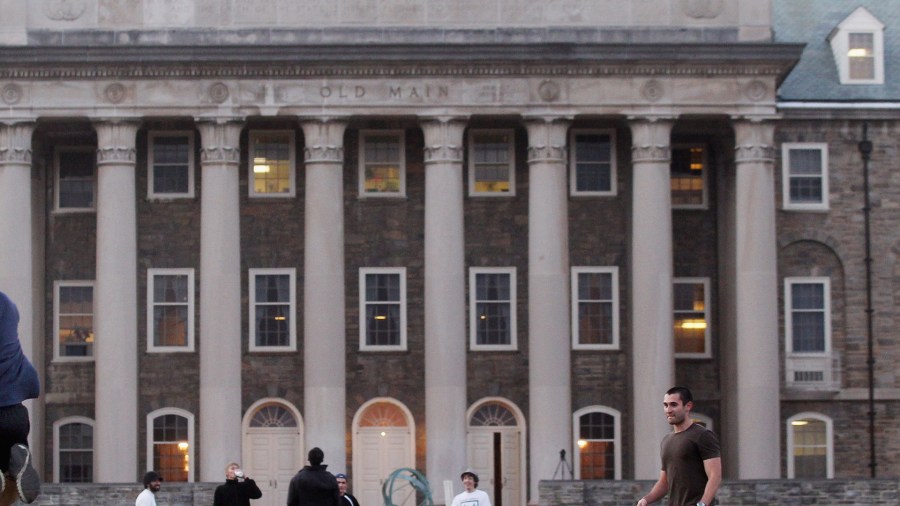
(152,481)
(313,485)
(237,489)
(342,487)
(471,496)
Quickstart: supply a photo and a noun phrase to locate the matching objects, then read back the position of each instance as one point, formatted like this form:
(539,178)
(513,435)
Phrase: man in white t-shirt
(151,486)
(472,496)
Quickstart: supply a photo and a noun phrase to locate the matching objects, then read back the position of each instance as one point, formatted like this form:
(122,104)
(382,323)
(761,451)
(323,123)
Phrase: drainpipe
(865,150)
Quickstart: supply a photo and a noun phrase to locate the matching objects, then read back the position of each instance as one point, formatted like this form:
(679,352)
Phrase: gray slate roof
(815,78)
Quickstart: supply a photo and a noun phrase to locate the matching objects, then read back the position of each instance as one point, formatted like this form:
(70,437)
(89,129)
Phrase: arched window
(73,460)
(598,449)
(170,443)
(810,446)
(273,415)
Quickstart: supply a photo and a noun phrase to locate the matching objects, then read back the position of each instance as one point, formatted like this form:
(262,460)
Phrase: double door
(495,455)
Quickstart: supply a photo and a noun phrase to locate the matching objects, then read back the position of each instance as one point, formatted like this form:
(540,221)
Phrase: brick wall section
(124,494)
(732,493)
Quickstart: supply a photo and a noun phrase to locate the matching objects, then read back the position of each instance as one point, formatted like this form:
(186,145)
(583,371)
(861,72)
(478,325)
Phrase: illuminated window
(809,444)
(592,162)
(271,163)
(74,317)
(75,178)
(74,443)
(807,314)
(170,309)
(857,44)
(382,163)
(171,161)
(272,308)
(691,317)
(805,176)
(598,453)
(595,307)
(688,177)
(491,163)
(492,308)
(170,444)
(382,308)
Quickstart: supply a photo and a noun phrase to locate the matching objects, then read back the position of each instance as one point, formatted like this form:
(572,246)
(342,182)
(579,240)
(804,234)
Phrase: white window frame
(576,432)
(789,282)
(292,308)
(860,21)
(153,415)
(57,346)
(401,162)
(511,146)
(151,167)
(829,441)
(707,315)
(252,138)
(189,346)
(57,460)
(704,175)
(401,273)
(787,204)
(613,271)
(473,314)
(56,160)
(573,162)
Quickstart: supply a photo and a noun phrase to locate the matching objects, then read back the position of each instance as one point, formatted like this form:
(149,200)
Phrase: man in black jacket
(237,489)
(342,486)
(313,485)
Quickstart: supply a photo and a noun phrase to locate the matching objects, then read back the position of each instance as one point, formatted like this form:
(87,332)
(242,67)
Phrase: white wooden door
(381,451)
(493,448)
(273,458)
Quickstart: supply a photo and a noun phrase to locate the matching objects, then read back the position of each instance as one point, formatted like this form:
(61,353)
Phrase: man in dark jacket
(342,486)
(237,489)
(313,485)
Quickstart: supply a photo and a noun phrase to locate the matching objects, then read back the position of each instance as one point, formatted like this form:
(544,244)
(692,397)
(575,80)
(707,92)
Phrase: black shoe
(27,479)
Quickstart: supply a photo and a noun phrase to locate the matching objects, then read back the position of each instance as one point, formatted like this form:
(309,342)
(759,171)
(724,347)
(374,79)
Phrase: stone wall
(123,494)
(732,493)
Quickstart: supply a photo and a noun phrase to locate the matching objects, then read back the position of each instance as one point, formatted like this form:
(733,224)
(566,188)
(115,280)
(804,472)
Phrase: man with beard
(152,482)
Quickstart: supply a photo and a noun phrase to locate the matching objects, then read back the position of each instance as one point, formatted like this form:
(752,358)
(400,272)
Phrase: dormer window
(858,47)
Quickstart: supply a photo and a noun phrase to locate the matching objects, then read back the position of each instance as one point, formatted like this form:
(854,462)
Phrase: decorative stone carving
(64,10)
(443,139)
(115,93)
(748,153)
(439,153)
(549,91)
(319,154)
(651,153)
(756,90)
(547,154)
(703,9)
(218,92)
(116,141)
(220,140)
(11,93)
(15,143)
(652,90)
(115,155)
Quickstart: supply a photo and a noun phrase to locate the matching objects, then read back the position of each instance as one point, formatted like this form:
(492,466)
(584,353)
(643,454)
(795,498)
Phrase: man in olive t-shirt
(691,460)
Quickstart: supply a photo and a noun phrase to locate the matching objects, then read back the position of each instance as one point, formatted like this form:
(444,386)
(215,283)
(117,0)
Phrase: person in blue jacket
(18,382)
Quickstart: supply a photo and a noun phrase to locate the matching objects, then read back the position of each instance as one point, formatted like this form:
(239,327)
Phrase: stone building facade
(421,238)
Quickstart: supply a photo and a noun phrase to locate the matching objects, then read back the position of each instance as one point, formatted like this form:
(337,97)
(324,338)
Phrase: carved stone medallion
(703,9)
(756,90)
(549,91)
(652,90)
(64,10)
(115,93)
(11,93)
(218,92)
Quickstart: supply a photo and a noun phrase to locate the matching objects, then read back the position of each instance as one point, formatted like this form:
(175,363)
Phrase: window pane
(273,288)
(76,321)
(595,308)
(808,317)
(382,163)
(862,55)
(273,325)
(383,302)
(593,163)
(687,176)
(76,442)
(170,326)
(272,163)
(383,324)
(171,447)
(171,163)
(597,446)
(810,449)
(491,162)
(76,179)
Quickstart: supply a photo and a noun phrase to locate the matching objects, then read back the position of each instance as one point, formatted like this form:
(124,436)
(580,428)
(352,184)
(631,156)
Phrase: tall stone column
(752,403)
(116,304)
(17,275)
(445,299)
(220,297)
(549,342)
(324,328)
(652,347)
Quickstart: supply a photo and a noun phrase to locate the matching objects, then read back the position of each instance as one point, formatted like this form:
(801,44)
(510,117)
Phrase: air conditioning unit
(813,371)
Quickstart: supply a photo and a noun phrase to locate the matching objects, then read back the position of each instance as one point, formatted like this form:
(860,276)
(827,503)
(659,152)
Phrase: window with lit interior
(272,309)
(595,308)
(805,176)
(171,161)
(74,444)
(491,163)
(688,176)
(170,444)
(598,453)
(382,308)
(857,44)
(810,446)
(170,310)
(492,308)
(382,163)
(691,318)
(592,162)
(272,163)
(74,320)
(76,183)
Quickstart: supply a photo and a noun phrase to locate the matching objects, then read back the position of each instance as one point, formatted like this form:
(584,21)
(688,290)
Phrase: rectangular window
(808,315)
(691,317)
(271,163)
(171,441)
(170,310)
(689,177)
(861,56)
(491,163)
(382,163)
(805,176)
(171,161)
(75,178)
(74,316)
(382,309)
(75,447)
(492,308)
(595,308)
(272,309)
(592,162)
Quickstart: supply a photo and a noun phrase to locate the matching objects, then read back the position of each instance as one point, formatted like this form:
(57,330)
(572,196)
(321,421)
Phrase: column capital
(220,139)
(547,138)
(651,138)
(116,140)
(443,138)
(15,142)
(324,138)
(754,140)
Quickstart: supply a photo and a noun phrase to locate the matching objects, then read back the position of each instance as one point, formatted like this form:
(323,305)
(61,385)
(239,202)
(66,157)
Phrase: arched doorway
(383,441)
(273,448)
(496,449)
